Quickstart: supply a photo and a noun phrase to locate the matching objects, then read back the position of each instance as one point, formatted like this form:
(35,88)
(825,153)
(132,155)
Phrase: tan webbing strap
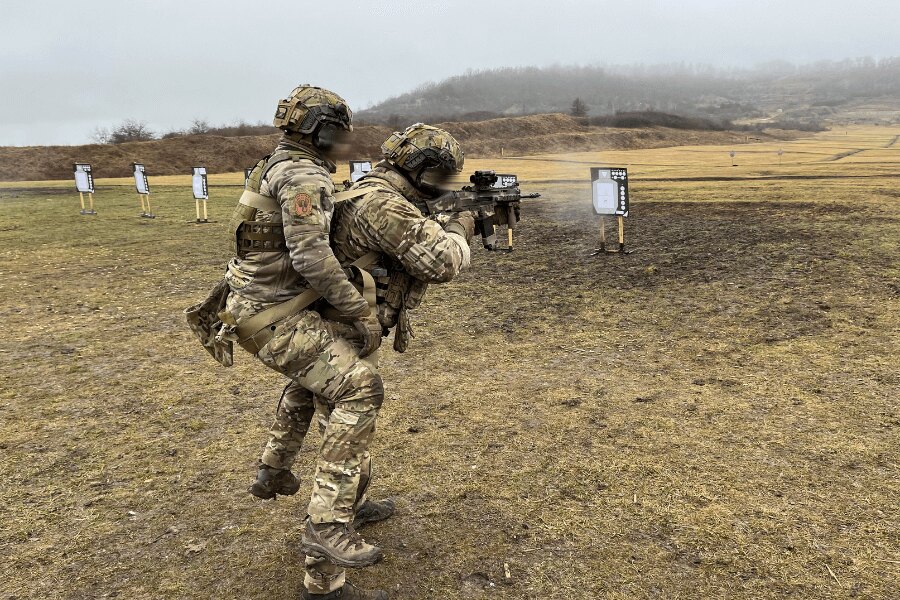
(368,290)
(351,194)
(255,332)
(259,202)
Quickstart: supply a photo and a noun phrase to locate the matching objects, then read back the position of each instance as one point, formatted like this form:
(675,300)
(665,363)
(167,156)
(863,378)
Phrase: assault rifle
(494,201)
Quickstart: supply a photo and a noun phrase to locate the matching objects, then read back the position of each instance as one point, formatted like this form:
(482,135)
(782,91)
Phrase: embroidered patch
(303,205)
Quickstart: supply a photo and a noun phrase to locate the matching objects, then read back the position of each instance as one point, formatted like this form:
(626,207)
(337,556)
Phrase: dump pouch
(205,323)
(403,331)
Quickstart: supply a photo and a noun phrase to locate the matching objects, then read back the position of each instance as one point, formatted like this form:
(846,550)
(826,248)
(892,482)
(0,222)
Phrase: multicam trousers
(328,379)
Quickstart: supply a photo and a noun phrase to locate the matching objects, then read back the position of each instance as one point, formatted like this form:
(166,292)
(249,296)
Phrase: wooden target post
(143,189)
(508,181)
(200,189)
(609,191)
(84,184)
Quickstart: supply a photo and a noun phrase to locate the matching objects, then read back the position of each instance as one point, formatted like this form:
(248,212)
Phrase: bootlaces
(347,536)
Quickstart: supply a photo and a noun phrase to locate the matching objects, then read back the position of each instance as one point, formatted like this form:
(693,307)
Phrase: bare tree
(199,127)
(579,108)
(394,121)
(128,131)
(101,135)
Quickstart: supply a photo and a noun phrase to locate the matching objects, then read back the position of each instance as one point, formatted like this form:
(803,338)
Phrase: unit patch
(303,205)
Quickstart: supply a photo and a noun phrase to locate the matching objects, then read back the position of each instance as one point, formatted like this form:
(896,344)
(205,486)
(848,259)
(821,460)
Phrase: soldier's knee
(364,391)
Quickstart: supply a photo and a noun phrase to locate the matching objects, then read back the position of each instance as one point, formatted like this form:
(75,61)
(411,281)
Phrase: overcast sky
(67,67)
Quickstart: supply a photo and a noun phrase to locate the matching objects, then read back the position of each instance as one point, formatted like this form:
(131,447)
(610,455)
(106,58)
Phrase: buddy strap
(258,330)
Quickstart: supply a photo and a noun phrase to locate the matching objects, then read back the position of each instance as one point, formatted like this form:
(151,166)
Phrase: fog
(67,68)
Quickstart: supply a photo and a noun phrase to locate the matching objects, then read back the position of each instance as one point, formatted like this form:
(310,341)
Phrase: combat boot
(271,481)
(339,543)
(348,592)
(372,511)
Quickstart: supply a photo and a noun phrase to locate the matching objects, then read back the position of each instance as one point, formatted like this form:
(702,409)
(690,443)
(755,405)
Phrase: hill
(823,91)
(531,134)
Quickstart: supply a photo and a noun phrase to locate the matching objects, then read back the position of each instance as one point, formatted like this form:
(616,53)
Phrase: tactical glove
(463,224)
(370,329)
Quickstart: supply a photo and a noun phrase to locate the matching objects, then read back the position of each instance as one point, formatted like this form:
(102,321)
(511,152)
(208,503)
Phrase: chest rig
(249,234)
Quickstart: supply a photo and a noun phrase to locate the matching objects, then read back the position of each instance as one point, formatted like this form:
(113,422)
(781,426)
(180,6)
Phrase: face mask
(435,178)
(333,140)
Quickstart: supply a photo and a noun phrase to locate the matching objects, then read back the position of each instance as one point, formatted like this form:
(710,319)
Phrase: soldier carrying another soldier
(283,264)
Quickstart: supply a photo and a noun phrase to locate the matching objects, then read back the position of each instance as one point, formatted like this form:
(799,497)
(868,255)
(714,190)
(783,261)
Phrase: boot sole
(317,551)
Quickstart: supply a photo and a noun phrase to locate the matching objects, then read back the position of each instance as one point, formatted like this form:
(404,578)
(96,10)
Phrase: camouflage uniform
(387,221)
(320,357)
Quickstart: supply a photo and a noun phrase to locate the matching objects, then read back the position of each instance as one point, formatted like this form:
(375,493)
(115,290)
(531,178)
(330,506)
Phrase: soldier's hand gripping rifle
(493,201)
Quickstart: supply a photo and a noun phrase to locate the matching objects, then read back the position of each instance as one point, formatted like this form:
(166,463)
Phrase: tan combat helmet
(308,108)
(423,145)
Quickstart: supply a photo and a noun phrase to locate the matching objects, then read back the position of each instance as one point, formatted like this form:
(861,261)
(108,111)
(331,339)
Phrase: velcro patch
(302,204)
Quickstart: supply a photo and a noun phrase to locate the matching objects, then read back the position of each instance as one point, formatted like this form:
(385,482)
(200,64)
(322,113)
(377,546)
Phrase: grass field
(713,416)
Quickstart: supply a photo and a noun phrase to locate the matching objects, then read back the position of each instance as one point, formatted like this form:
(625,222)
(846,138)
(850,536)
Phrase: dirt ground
(713,416)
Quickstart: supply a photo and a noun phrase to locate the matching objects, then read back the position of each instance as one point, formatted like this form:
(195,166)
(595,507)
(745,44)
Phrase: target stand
(90,208)
(84,184)
(603,249)
(609,189)
(146,212)
(143,189)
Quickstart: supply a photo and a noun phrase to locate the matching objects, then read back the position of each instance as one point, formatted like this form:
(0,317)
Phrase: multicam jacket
(303,187)
(415,250)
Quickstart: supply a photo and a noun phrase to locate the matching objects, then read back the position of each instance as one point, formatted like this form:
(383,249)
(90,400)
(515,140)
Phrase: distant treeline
(132,130)
(801,94)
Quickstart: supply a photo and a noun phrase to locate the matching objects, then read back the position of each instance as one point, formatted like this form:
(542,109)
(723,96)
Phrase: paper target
(358,168)
(506,181)
(198,183)
(140,179)
(609,187)
(84,178)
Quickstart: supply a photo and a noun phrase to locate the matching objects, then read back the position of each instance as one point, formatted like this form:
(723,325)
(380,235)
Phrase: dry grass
(714,416)
(534,134)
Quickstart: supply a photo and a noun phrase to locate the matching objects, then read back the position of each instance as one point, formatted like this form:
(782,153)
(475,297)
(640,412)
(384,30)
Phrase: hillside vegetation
(510,136)
(823,91)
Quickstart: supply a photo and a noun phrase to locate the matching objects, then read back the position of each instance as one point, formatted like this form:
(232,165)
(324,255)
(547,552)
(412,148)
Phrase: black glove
(462,223)
(370,330)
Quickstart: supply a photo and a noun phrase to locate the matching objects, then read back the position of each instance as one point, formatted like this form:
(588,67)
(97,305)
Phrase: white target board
(358,168)
(198,183)
(140,179)
(84,178)
(609,188)
(506,181)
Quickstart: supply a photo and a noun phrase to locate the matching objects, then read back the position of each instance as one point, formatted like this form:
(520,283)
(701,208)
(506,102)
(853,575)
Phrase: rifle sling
(258,330)
(351,194)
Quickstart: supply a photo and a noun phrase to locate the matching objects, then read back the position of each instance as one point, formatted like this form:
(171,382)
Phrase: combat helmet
(425,146)
(308,108)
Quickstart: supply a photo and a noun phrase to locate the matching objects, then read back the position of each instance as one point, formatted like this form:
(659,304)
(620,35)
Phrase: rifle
(494,200)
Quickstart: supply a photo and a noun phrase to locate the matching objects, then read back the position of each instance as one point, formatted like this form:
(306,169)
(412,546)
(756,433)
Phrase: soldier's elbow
(447,273)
